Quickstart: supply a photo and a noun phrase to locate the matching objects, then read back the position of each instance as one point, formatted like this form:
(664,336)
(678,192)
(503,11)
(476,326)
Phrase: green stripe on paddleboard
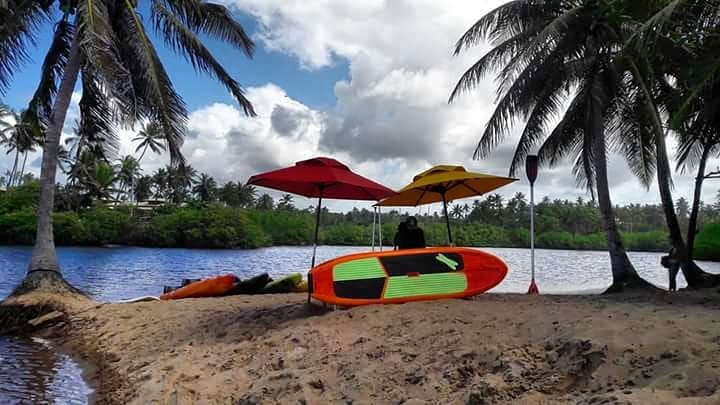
(426,284)
(360,269)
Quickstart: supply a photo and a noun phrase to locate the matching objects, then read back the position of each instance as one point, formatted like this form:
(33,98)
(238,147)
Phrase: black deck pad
(362,289)
(423,263)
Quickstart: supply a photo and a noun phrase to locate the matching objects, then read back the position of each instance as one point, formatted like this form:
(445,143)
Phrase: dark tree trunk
(22,170)
(44,271)
(624,274)
(14,170)
(695,212)
(694,275)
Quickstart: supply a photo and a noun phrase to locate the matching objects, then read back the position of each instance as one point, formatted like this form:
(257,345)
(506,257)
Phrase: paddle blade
(533,290)
(531,168)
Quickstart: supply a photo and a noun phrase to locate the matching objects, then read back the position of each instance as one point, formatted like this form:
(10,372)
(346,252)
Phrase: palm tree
(108,42)
(457,211)
(101,184)
(286,202)
(128,170)
(680,41)
(265,202)
(246,194)
(143,188)
(548,54)
(205,188)
(160,183)
(150,136)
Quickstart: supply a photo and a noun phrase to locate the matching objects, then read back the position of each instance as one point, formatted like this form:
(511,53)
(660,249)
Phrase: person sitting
(410,236)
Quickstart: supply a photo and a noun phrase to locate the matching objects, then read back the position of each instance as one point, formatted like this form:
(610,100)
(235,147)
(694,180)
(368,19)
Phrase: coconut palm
(143,188)
(550,54)
(680,43)
(101,184)
(265,202)
(457,211)
(128,170)
(160,183)
(286,202)
(205,188)
(122,77)
(246,195)
(150,136)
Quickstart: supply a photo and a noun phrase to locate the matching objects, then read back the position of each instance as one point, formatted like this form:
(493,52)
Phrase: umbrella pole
(317,227)
(447,220)
(373,227)
(380,228)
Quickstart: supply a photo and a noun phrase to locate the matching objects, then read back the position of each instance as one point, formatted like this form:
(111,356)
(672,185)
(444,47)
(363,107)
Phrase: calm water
(31,373)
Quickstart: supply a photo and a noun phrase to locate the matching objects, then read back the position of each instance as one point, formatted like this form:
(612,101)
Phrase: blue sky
(314,88)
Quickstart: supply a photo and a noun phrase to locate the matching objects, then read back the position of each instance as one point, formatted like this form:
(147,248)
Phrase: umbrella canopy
(321,177)
(444,183)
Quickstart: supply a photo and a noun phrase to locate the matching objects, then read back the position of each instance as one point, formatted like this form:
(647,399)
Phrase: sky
(365,82)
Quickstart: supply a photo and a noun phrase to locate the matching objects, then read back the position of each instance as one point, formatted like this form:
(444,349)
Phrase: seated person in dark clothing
(410,236)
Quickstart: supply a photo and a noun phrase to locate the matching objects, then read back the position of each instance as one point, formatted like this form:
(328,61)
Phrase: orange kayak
(209,287)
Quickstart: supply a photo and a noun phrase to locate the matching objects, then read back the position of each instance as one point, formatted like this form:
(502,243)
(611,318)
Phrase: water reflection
(32,373)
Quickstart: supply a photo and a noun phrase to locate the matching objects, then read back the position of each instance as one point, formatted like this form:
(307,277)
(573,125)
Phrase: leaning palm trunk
(624,274)
(44,271)
(22,169)
(694,275)
(11,182)
(695,212)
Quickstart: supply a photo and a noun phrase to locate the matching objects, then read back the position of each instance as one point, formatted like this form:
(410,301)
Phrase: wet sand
(630,349)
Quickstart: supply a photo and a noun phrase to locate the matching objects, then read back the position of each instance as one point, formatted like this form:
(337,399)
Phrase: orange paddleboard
(209,287)
(405,275)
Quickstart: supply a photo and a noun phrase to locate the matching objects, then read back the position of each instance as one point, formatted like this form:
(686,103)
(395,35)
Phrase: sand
(659,349)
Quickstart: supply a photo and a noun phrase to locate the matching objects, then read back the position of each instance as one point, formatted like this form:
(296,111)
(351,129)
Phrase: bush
(20,198)
(18,227)
(707,243)
(103,226)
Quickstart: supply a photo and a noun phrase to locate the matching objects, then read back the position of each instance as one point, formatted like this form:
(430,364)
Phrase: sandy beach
(629,349)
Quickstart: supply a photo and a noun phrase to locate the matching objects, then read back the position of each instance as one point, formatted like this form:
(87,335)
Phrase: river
(30,372)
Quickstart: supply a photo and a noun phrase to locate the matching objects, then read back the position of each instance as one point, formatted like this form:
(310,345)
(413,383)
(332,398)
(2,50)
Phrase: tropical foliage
(620,76)
(217,223)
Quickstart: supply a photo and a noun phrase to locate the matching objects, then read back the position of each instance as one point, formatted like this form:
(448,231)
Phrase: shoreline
(265,349)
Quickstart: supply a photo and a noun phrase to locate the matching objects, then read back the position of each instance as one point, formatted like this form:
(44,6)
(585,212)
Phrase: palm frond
(20,22)
(97,120)
(156,97)
(178,36)
(52,69)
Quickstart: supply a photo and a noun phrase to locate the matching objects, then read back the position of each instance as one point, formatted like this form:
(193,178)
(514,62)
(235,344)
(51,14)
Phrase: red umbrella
(321,177)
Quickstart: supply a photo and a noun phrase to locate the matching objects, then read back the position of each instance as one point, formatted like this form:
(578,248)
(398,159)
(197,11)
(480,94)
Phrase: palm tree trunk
(44,271)
(142,154)
(22,170)
(694,275)
(624,274)
(695,212)
(14,169)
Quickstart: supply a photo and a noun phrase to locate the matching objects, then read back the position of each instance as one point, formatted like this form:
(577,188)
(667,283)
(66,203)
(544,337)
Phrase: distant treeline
(490,222)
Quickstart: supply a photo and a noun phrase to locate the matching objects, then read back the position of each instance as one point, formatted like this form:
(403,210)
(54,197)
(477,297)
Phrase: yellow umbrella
(444,183)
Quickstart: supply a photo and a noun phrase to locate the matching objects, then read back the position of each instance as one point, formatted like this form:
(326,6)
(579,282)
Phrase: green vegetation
(490,222)
(707,246)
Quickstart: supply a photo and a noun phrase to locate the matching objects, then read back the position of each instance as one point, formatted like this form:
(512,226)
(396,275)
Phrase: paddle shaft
(532,231)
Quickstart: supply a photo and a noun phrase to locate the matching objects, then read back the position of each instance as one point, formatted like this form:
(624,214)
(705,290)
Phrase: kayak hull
(401,276)
(209,287)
